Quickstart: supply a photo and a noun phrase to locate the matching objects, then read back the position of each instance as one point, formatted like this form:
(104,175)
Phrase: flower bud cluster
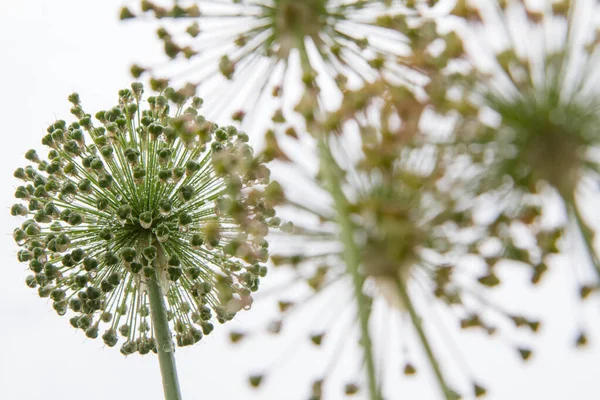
(135,192)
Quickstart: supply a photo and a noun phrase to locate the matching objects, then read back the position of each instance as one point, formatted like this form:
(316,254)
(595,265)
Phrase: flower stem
(353,260)
(588,236)
(352,254)
(416,321)
(162,334)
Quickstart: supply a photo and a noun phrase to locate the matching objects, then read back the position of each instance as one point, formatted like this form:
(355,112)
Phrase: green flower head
(140,192)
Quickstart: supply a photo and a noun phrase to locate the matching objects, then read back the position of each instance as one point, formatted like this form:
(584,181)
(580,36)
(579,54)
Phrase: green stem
(416,321)
(162,334)
(588,236)
(352,254)
(353,260)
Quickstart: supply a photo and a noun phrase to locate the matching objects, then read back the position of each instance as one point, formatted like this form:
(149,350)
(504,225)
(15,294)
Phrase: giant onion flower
(276,46)
(142,204)
(423,250)
(530,120)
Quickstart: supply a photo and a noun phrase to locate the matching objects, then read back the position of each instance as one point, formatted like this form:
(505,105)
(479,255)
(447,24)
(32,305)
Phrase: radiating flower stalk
(352,258)
(145,220)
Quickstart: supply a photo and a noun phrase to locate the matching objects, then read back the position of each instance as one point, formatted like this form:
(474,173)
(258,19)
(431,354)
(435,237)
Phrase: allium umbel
(430,262)
(530,122)
(134,196)
(282,44)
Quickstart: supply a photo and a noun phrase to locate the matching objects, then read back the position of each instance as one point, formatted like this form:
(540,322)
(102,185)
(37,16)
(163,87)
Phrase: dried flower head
(143,189)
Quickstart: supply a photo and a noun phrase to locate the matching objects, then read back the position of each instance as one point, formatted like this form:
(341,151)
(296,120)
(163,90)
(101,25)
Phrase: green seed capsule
(110,258)
(81,280)
(85,186)
(75,219)
(18,210)
(32,156)
(185,193)
(105,182)
(166,207)
(149,253)
(133,156)
(30,281)
(92,332)
(123,213)
(78,255)
(128,254)
(90,263)
(110,338)
(145,219)
(75,304)
(107,152)
(102,204)
(120,200)
(135,267)
(84,322)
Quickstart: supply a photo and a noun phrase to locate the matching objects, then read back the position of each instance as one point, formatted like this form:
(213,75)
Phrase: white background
(50,49)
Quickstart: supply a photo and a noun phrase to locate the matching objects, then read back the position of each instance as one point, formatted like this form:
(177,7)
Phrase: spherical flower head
(148,188)
(393,235)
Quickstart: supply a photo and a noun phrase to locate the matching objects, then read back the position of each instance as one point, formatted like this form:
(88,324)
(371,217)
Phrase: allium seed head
(132,194)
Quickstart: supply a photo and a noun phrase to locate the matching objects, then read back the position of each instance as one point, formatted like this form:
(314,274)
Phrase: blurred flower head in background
(530,116)
(429,262)
(143,181)
(536,87)
(267,48)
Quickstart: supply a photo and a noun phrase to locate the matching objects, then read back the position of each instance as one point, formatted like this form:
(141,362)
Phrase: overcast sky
(50,49)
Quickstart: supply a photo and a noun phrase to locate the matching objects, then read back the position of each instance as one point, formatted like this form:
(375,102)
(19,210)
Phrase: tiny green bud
(110,258)
(135,267)
(150,253)
(146,219)
(166,207)
(128,254)
(185,193)
(18,210)
(90,263)
(123,213)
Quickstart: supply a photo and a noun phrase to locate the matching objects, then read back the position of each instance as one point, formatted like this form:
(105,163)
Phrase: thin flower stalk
(165,349)
(353,260)
(418,324)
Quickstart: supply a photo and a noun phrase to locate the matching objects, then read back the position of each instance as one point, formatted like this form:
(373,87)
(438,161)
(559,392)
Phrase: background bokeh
(50,49)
